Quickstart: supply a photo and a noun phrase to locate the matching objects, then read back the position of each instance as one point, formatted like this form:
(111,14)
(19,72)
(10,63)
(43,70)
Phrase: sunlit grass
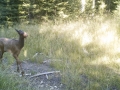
(85,50)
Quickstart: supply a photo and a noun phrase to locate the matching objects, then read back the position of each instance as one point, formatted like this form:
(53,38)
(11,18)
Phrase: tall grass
(85,50)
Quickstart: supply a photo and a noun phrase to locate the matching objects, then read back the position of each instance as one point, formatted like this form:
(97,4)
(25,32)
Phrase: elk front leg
(17,61)
(18,64)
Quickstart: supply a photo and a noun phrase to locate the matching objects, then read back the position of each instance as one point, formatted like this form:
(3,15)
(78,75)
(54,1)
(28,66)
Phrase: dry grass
(86,50)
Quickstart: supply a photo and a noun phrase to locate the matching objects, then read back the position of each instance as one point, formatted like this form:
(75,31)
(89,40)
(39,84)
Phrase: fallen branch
(45,73)
(51,60)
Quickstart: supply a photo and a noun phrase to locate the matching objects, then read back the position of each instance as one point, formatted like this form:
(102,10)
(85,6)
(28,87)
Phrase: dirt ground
(51,81)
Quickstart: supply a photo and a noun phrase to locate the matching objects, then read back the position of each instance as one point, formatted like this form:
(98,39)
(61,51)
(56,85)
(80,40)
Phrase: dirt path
(42,82)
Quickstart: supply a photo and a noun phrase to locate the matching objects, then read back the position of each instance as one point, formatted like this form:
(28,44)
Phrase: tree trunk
(93,4)
(83,5)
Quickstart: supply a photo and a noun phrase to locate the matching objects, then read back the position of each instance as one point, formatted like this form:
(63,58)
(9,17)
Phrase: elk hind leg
(1,54)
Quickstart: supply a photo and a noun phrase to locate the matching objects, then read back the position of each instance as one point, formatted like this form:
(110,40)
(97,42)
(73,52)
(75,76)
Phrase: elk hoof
(22,73)
(18,70)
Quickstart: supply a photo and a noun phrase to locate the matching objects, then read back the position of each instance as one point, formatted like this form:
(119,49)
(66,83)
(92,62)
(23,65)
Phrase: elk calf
(14,46)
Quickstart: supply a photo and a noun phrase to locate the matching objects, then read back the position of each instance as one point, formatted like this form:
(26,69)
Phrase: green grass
(85,50)
(10,81)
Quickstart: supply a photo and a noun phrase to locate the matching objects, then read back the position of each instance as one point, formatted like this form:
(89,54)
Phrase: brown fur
(13,45)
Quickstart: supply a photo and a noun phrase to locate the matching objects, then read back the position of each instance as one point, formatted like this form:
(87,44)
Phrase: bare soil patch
(50,81)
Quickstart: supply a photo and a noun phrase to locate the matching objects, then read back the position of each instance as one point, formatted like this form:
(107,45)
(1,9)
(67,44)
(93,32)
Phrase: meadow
(85,50)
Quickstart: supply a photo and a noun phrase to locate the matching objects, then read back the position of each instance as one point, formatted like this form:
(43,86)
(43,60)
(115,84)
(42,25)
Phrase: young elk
(14,46)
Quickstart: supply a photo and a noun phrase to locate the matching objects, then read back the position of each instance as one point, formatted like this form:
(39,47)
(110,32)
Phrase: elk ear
(17,30)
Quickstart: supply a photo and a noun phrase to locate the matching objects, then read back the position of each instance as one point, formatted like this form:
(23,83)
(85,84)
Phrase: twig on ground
(45,73)
(50,60)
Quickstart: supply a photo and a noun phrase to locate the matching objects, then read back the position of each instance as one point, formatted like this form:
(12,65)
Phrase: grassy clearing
(9,81)
(86,50)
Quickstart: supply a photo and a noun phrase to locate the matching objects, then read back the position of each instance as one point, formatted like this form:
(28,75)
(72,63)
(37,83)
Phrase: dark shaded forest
(12,11)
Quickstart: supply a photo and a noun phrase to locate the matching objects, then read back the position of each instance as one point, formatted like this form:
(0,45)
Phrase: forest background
(25,11)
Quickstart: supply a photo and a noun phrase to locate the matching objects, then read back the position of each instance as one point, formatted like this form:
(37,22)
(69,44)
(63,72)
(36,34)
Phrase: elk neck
(21,42)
